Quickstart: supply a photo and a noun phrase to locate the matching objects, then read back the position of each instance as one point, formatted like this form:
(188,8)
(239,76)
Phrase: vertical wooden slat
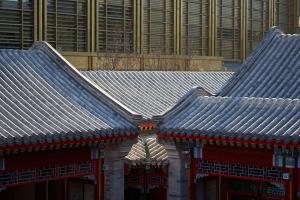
(90,26)
(140,8)
(56,25)
(22,23)
(244,28)
(96,25)
(45,23)
(40,20)
(35,24)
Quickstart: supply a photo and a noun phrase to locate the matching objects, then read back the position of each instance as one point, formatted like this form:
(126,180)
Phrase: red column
(99,175)
(287,190)
(292,186)
(191,180)
(65,189)
(296,183)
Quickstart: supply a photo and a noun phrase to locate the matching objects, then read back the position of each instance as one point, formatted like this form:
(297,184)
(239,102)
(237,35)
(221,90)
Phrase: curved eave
(68,142)
(186,137)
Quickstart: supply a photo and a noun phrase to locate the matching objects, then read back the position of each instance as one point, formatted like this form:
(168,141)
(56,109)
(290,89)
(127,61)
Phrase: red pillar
(296,181)
(292,186)
(191,180)
(99,175)
(65,189)
(287,186)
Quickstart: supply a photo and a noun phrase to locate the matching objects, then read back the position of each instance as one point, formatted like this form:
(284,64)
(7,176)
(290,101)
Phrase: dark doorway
(143,183)
(132,193)
(236,189)
(207,188)
(157,193)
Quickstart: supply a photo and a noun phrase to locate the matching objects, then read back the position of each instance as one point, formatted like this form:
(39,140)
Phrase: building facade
(86,31)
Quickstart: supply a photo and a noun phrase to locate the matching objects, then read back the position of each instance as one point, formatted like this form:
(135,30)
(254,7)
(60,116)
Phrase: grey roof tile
(151,93)
(272,70)
(260,102)
(236,118)
(45,99)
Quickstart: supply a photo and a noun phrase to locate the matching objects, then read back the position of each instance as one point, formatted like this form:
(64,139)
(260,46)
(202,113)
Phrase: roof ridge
(95,90)
(254,98)
(199,72)
(250,60)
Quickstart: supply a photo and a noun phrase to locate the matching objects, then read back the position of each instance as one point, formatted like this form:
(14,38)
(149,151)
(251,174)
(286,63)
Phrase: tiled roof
(147,151)
(45,99)
(260,102)
(152,93)
(236,118)
(272,70)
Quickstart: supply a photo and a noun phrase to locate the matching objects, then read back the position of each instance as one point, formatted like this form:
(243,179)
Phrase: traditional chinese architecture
(242,143)
(150,166)
(57,129)
(65,135)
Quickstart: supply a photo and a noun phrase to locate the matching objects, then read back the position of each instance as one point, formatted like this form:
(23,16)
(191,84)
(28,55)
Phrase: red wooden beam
(38,159)
(248,156)
(243,141)
(49,144)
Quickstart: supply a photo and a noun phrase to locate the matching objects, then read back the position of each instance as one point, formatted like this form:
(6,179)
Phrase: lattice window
(284,10)
(115,26)
(258,21)
(158,26)
(275,190)
(45,173)
(195,27)
(16,24)
(67,24)
(229,29)
(237,170)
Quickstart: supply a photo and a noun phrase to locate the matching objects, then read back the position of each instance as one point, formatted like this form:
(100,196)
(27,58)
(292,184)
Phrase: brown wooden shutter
(67,24)
(195,27)
(158,26)
(115,26)
(258,21)
(284,10)
(229,29)
(16,24)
